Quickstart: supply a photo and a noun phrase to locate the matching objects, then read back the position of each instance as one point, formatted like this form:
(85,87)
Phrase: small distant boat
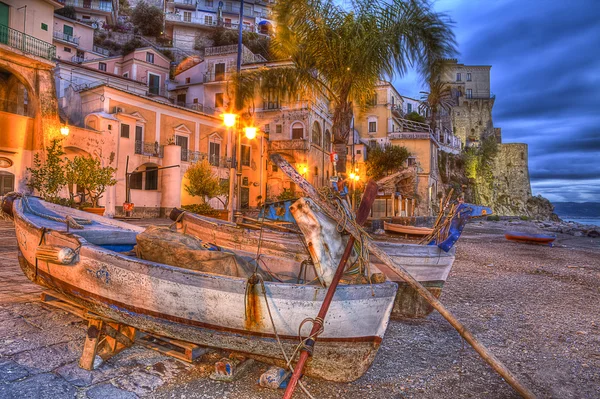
(543,239)
(413,230)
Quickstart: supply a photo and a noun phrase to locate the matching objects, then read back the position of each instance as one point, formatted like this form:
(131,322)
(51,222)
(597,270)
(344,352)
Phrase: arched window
(297,131)
(316,134)
(327,142)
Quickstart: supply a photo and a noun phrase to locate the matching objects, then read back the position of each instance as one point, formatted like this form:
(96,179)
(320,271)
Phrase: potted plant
(47,177)
(89,175)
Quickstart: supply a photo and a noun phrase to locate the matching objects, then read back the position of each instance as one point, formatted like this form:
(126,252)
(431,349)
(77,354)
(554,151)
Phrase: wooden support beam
(90,345)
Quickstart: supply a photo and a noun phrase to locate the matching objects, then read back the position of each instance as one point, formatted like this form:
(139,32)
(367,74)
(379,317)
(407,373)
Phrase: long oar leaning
(333,212)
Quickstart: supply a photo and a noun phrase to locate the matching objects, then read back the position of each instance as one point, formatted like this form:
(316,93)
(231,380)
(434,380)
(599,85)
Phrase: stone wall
(473,118)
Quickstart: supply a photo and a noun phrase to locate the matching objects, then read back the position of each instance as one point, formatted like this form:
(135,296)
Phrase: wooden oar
(361,218)
(495,363)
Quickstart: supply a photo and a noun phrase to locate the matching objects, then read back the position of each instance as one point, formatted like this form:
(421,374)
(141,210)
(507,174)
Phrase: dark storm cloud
(545,73)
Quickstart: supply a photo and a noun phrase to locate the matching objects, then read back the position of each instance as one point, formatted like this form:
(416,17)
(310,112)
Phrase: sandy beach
(535,307)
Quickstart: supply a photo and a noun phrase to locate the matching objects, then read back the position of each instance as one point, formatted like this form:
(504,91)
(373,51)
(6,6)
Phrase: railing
(294,145)
(196,107)
(157,91)
(236,10)
(183,3)
(410,136)
(27,44)
(105,6)
(190,20)
(149,149)
(216,77)
(101,50)
(67,38)
(77,59)
(213,159)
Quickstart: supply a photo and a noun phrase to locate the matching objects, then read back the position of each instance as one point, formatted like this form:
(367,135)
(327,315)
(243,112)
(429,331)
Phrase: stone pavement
(40,347)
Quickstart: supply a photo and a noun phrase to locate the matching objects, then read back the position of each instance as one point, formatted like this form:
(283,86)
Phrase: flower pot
(95,211)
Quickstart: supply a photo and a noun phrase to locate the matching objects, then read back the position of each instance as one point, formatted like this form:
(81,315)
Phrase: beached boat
(530,238)
(428,264)
(412,230)
(90,269)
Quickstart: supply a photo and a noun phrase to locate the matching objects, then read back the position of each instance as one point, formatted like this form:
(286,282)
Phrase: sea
(586,220)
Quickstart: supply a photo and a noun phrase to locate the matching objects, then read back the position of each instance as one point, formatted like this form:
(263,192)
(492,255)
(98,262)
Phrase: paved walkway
(40,346)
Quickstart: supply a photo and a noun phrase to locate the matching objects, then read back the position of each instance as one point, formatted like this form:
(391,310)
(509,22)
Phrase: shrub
(493,218)
(524,217)
(131,46)
(415,117)
(147,19)
(201,209)
(386,160)
(89,174)
(48,178)
(203,183)
(67,12)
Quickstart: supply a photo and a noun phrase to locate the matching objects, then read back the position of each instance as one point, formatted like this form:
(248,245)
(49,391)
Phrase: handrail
(27,44)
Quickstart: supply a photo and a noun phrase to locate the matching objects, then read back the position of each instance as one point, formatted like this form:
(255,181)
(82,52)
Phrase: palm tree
(439,97)
(342,52)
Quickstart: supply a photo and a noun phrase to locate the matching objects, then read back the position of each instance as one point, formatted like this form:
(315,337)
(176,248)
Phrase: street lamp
(250,132)
(64,130)
(229,121)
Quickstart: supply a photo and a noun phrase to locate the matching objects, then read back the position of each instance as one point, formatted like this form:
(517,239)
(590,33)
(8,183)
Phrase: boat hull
(211,309)
(412,230)
(541,239)
(428,264)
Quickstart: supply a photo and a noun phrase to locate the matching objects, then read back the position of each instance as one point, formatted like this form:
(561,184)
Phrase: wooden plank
(181,350)
(90,345)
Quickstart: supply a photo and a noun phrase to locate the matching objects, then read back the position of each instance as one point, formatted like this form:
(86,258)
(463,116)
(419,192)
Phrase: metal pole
(231,151)
(238,162)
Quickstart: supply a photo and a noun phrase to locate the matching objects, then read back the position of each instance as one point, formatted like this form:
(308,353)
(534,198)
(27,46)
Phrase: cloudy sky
(545,58)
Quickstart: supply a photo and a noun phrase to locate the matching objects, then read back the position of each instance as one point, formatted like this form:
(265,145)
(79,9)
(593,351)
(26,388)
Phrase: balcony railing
(66,38)
(283,145)
(213,159)
(190,20)
(185,3)
(410,136)
(27,44)
(77,59)
(196,107)
(101,50)
(149,149)
(105,6)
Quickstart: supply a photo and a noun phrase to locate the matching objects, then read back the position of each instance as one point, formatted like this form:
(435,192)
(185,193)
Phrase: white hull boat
(199,307)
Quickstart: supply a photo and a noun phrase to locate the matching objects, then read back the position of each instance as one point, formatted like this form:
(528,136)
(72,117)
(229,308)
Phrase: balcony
(77,60)
(410,136)
(66,38)
(184,19)
(197,107)
(187,4)
(288,145)
(149,149)
(196,156)
(27,44)
(101,50)
(104,6)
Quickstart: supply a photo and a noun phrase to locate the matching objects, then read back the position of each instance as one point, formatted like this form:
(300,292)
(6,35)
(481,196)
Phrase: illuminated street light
(64,130)
(229,119)
(356,177)
(250,132)
(352,176)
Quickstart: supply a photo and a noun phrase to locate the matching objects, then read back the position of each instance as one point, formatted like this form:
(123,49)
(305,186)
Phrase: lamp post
(229,121)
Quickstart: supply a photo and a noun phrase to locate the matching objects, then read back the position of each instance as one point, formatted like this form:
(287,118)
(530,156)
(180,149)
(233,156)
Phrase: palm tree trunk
(342,121)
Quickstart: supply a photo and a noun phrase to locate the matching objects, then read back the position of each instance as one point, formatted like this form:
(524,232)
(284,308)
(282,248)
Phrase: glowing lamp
(352,176)
(356,177)
(229,119)
(64,130)
(303,169)
(250,132)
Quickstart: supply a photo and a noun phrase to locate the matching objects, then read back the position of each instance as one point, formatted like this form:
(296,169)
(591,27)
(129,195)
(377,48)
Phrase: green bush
(67,12)
(147,19)
(415,117)
(524,217)
(201,209)
(493,218)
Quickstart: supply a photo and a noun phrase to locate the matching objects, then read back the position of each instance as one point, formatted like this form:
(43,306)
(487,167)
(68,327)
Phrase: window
(86,17)
(208,20)
(274,168)
(188,80)
(373,99)
(208,3)
(297,131)
(44,26)
(245,155)
(373,143)
(67,49)
(468,76)
(469,93)
(135,181)
(181,99)
(151,178)
(182,141)
(245,181)
(187,16)
(220,71)
(316,134)
(412,161)
(358,152)
(271,100)
(153,83)
(124,130)
(327,142)
(68,31)
(372,127)
(278,128)
(409,108)
(214,153)
(126,75)
(458,77)
(102,66)
(150,58)
(218,100)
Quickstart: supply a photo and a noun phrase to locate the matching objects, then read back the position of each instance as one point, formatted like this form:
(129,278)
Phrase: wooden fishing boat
(88,266)
(530,238)
(412,230)
(429,264)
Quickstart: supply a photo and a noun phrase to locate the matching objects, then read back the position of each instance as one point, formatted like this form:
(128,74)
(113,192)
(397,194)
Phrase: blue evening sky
(545,58)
